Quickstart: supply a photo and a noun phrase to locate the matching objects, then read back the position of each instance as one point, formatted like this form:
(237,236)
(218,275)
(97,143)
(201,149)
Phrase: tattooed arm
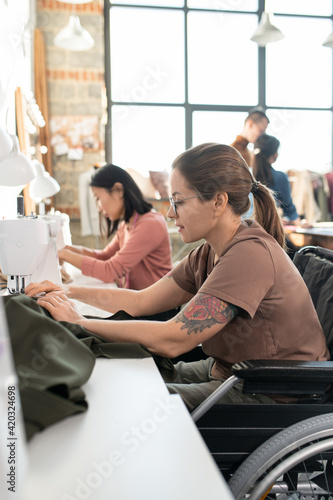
(204,312)
(200,319)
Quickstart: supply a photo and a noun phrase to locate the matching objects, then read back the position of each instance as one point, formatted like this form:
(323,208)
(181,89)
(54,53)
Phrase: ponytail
(262,169)
(266,213)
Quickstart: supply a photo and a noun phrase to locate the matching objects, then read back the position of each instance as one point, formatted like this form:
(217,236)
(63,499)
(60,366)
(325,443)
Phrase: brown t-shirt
(277,319)
(241,144)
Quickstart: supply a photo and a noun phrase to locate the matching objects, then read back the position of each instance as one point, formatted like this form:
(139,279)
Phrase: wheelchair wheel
(296,463)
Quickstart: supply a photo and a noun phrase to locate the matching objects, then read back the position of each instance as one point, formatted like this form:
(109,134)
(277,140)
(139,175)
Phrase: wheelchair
(285,450)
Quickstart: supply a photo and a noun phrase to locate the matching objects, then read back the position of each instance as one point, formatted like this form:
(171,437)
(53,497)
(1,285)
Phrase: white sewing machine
(28,251)
(61,219)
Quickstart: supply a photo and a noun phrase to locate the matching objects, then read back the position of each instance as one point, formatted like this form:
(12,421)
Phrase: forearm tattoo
(204,311)
(169,275)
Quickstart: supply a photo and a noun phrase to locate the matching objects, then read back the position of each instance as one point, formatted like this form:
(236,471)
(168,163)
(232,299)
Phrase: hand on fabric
(43,287)
(60,307)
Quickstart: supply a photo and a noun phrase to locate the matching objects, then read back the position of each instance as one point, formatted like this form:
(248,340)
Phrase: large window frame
(190,108)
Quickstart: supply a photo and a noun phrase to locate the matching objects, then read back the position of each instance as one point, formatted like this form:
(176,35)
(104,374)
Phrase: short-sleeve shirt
(277,319)
(143,252)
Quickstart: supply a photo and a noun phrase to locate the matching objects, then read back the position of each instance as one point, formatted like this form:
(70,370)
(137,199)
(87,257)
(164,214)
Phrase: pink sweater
(143,252)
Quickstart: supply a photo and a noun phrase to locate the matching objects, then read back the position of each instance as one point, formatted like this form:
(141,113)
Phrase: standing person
(255,124)
(243,297)
(139,253)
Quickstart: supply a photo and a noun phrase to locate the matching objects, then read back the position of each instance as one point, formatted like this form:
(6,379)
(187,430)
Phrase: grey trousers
(194,383)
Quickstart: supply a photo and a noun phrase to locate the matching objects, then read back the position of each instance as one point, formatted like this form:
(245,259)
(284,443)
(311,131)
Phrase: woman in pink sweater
(139,254)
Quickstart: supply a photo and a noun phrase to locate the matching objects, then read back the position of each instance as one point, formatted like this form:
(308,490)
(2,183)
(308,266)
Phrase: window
(147,55)
(216,126)
(216,44)
(180,73)
(298,68)
(147,137)
(305,136)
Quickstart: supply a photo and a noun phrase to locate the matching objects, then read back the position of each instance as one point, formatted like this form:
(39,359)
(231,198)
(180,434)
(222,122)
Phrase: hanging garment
(303,196)
(88,208)
(329,178)
(321,193)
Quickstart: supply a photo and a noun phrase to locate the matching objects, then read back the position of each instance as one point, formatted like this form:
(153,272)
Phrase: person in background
(255,124)
(242,296)
(139,253)
(265,154)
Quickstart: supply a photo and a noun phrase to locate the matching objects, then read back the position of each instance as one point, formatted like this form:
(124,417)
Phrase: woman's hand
(305,224)
(60,257)
(43,287)
(60,307)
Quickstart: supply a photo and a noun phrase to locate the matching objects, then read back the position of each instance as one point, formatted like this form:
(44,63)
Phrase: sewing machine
(28,251)
(64,236)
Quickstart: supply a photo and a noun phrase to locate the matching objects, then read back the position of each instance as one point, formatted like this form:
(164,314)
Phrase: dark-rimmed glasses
(174,203)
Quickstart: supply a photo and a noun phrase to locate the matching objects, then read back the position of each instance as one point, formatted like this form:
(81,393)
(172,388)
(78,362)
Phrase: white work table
(136,441)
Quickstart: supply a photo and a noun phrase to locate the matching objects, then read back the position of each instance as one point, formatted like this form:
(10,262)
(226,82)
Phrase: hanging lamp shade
(75,2)
(74,36)
(6,144)
(43,185)
(266,32)
(328,42)
(16,169)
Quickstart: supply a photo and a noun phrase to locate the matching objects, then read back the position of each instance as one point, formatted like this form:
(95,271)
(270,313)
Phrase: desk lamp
(16,169)
(6,144)
(42,186)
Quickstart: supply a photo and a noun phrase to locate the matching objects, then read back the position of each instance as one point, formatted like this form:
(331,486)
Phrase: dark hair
(264,147)
(105,177)
(257,114)
(210,168)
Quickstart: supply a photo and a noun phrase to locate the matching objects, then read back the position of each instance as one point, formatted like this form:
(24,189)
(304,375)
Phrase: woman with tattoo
(242,296)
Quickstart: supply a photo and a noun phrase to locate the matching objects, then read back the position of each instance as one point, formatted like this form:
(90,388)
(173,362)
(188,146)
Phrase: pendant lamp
(328,42)
(266,31)
(76,2)
(74,36)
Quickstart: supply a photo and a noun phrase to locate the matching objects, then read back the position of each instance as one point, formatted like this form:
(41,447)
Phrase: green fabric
(54,359)
(116,350)
(51,364)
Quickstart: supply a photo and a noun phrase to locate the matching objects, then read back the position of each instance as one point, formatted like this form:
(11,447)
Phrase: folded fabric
(51,364)
(54,359)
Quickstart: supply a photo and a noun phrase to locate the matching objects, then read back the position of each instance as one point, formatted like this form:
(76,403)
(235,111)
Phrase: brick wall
(75,81)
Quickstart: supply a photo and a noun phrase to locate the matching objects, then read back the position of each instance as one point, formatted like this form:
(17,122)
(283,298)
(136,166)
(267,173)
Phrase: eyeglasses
(174,203)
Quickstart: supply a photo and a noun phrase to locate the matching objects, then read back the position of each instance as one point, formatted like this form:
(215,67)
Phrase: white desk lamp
(42,186)
(6,144)
(16,169)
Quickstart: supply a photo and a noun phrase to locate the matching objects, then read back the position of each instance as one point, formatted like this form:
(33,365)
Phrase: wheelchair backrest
(315,264)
